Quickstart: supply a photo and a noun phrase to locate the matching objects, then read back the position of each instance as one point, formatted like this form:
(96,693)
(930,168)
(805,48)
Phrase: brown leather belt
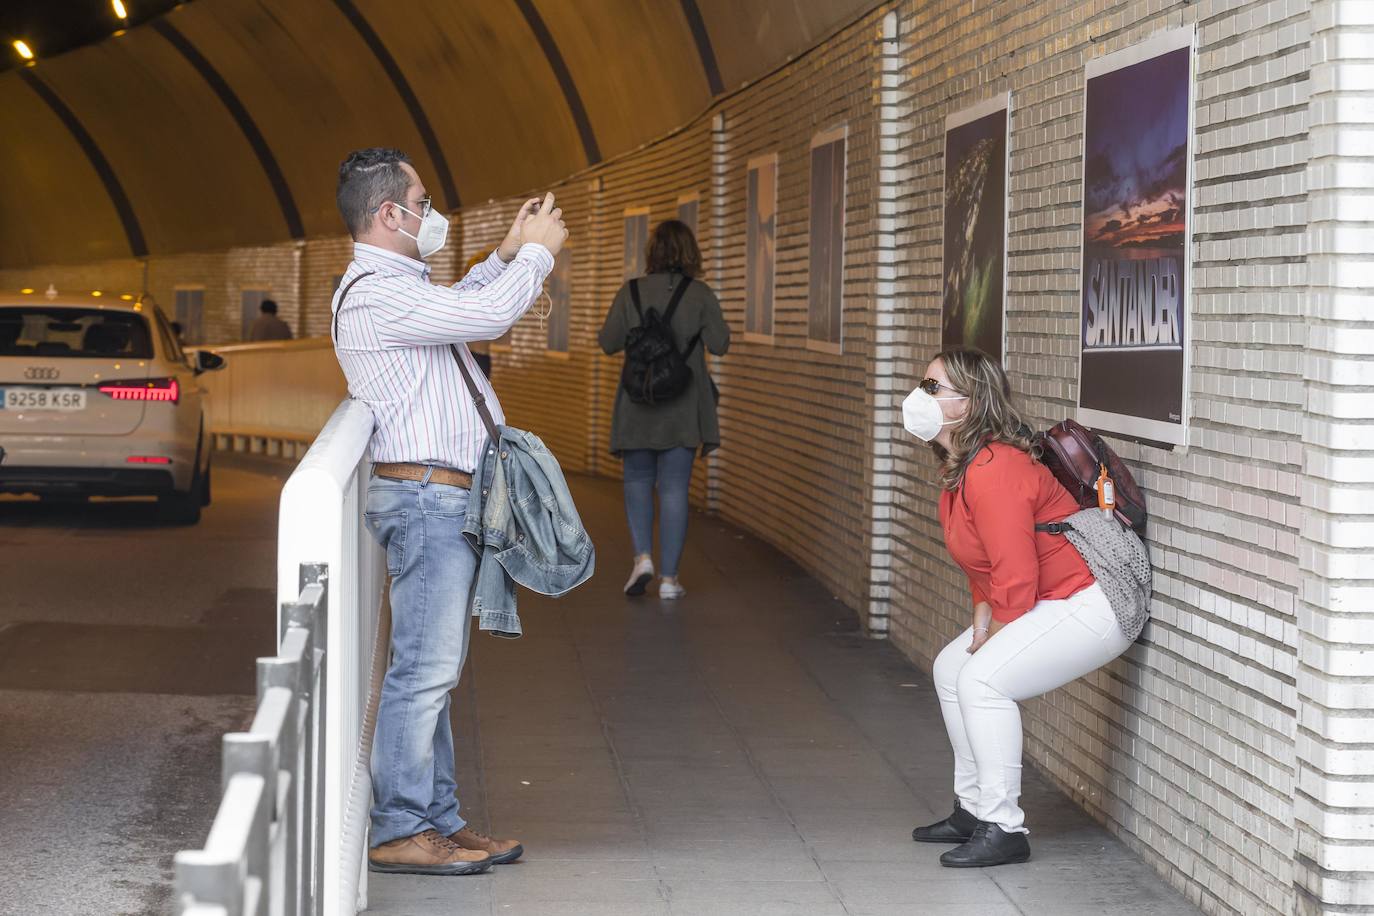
(445,476)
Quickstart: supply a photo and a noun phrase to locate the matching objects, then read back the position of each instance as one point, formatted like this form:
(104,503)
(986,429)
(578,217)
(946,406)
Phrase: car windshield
(59,331)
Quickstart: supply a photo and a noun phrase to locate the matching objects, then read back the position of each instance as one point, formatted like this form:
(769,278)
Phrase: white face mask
(922,416)
(433,232)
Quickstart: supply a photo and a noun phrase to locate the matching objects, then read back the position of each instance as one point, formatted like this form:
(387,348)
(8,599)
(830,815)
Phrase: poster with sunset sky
(1135,240)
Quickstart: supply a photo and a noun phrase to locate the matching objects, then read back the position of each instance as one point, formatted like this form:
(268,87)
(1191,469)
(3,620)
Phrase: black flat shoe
(957,828)
(990,845)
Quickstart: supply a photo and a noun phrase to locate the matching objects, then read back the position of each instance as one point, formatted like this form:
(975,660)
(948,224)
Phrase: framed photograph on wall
(636,241)
(825,309)
(190,313)
(973,310)
(560,301)
(761,215)
(688,208)
(250,307)
(1137,173)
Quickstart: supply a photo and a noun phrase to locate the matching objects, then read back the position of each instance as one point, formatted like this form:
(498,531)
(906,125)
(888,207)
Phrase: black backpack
(655,370)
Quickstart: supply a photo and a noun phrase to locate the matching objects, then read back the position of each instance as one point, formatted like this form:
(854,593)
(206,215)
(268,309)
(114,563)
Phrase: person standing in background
(268,326)
(658,442)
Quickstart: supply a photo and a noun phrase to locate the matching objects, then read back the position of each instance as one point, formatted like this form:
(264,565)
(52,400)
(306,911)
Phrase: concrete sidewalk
(743,751)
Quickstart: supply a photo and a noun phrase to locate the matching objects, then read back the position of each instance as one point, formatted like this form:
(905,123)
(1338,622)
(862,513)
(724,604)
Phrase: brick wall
(1230,746)
(1186,746)
(323,260)
(1335,694)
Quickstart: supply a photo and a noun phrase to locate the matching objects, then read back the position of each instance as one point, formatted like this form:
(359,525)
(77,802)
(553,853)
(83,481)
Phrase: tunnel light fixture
(97,293)
(27,291)
(24,50)
(127,297)
(119,9)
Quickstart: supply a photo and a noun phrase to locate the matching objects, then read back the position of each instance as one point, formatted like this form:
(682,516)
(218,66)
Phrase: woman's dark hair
(673,248)
(990,417)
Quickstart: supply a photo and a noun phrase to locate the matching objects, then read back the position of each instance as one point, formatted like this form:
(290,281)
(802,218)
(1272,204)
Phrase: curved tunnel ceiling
(223,122)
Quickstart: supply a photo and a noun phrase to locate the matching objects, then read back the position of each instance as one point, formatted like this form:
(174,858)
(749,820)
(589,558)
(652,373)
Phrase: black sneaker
(990,845)
(957,828)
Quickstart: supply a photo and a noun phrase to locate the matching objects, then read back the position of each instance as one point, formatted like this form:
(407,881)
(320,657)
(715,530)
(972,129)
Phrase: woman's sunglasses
(932,387)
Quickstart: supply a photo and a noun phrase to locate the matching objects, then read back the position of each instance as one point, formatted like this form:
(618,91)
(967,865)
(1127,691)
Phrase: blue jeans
(432,568)
(670,471)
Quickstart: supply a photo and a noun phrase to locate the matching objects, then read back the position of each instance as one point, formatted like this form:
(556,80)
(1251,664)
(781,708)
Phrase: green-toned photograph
(975,227)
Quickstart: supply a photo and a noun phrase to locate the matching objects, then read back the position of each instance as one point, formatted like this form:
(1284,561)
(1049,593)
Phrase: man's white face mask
(921,413)
(433,231)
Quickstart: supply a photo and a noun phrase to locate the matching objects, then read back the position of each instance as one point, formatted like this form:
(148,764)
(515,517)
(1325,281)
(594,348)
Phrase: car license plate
(42,399)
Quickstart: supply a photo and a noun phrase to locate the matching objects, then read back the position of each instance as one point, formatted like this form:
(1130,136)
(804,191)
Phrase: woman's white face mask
(922,415)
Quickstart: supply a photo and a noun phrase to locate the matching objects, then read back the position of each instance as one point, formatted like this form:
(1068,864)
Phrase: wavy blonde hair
(990,417)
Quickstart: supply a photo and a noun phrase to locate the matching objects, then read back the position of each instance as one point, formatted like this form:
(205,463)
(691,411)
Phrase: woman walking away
(1040,618)
(665,408)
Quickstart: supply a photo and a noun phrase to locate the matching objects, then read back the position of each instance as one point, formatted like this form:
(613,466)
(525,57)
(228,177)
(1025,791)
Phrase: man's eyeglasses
(932,386)
(422,206)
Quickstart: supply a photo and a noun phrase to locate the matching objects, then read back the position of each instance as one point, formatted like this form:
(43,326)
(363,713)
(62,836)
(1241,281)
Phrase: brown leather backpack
(1076,455)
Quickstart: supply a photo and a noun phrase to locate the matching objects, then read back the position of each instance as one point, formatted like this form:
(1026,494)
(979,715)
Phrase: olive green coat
(688,421)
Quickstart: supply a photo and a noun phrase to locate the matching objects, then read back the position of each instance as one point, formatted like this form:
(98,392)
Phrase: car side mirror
(205,361)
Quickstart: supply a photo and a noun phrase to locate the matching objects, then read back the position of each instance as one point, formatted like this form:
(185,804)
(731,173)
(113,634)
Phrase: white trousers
(1053,643)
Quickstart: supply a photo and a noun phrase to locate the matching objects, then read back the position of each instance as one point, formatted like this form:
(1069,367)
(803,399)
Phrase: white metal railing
(320,528)
(262,852)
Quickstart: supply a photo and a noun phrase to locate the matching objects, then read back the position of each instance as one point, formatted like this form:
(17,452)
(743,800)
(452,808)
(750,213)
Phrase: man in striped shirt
(393,330)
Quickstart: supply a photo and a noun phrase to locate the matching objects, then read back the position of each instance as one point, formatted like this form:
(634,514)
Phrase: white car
(97,398)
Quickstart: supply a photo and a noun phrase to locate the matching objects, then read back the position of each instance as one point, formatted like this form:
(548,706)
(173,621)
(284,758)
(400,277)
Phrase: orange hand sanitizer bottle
(1106,493)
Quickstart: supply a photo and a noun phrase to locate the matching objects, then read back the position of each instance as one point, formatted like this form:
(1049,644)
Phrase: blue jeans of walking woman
(669,471)
(432,568)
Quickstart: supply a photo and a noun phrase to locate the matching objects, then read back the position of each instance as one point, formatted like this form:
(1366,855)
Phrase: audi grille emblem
(41,374)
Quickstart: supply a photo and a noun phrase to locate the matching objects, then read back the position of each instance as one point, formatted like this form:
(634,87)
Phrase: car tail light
(148,459)
(158,389)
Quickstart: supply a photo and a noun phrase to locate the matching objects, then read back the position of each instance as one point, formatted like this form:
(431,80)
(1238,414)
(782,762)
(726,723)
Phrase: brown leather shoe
(502,852)
(428,853)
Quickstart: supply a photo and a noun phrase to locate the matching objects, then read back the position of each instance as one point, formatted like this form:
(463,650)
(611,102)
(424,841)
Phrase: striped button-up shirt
(392,336)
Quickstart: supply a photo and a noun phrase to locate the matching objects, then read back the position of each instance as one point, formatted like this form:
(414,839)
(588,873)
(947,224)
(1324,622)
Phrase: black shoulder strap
(634,298)
(478,397)
(677,297)
(672,307)
(342,296)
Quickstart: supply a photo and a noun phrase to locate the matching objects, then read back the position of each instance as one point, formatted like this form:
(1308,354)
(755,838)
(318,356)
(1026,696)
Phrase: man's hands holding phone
(545,226)
(539,222)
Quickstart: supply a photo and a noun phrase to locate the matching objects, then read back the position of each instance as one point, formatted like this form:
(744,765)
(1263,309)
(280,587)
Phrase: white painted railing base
(321,522)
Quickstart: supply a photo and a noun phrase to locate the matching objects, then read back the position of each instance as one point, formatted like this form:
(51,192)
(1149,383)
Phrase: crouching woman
(1040,619)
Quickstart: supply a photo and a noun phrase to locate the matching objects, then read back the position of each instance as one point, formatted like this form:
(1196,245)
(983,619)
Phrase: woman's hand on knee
(982,625)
